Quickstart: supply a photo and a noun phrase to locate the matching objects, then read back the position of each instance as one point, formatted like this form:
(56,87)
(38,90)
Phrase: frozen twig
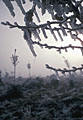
(63,71)
(58,48)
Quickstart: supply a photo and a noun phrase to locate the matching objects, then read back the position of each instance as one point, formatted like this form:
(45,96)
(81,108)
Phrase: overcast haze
(11,39)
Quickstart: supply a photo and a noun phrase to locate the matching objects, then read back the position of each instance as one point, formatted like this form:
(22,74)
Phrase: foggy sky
(11,39)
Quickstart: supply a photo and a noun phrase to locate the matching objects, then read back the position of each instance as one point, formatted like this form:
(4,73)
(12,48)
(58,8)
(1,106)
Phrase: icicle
(43,10)
(27,37)
(57,74)
(37,2)
(73,36)
(67,9)
(81,71)
(20,6)
(43,6)
(50,10)
(60,35)
(70,34)
(81,42)
(81,12)
(52,32)
(66,50)
(35,12)
(66,25)
(28,17)
(38,30)
(58,9)
(34,31)
(76,32)
(82,51)
(63,72)
(59,51)
(73,23)
(23,1)
(70,74)
(36,35)
(29,21)
(44,32)
(66,62)
(80,31)
(9,6)
(63,30)
(72,47)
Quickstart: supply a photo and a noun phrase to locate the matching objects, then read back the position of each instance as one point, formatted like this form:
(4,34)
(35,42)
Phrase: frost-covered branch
(15,25)
(59,49)
(33,29)
(30,26)
(45,26)
(65,23)
(60,10)
(63,71)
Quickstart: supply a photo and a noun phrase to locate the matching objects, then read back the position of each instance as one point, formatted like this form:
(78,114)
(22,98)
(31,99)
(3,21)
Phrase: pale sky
(11,39)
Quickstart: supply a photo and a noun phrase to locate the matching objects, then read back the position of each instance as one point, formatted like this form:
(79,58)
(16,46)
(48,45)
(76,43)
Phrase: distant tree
(67,19)
(14,60)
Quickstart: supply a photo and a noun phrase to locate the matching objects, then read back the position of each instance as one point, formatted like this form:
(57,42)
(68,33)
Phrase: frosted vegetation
(53,97)
(42,98)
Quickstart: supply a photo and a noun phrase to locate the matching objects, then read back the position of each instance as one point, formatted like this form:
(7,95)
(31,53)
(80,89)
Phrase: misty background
(11,39)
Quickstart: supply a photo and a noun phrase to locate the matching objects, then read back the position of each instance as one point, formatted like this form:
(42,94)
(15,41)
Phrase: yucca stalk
(14,60)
